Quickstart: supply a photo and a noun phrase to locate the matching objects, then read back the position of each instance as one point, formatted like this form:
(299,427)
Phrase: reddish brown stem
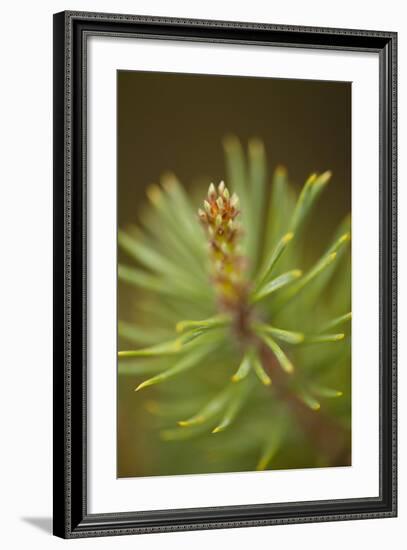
(332,440)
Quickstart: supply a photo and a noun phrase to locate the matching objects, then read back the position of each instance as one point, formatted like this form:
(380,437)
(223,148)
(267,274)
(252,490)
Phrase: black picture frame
(71,519)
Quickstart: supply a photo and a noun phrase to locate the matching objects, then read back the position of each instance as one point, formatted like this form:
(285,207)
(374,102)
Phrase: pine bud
(207,207)
(202,215)
(219,202)
(212,192)
(234,201)
(227,264)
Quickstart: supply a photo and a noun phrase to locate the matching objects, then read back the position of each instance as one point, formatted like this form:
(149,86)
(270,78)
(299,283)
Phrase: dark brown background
(176,122)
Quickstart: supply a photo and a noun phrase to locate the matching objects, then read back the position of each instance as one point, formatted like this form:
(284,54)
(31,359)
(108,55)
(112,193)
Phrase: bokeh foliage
(212,408)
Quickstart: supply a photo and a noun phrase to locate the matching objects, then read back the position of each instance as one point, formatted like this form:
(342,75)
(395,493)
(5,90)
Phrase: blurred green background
(176,122)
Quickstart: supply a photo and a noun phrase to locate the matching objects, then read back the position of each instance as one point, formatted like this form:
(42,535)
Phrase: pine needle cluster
(244,341)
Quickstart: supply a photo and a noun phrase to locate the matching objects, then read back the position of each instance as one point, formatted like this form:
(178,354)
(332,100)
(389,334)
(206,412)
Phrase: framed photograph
(224,274)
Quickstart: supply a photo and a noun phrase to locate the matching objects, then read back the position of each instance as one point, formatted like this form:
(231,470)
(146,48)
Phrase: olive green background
(176,122)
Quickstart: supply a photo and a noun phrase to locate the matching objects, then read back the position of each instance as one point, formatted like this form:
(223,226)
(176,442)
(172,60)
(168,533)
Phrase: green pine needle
(288,336)
(324,338)
(336,322)
(235,405)
(211,409)
(273,443)
(204,324)
(244,368)
(309,400)
(261,373)
(311,190)
(283,360)
(277,283)
(192,359)
(326,392)
(275,256)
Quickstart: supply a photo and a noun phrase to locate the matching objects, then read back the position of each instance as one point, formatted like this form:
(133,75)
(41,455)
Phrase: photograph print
(233,275)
